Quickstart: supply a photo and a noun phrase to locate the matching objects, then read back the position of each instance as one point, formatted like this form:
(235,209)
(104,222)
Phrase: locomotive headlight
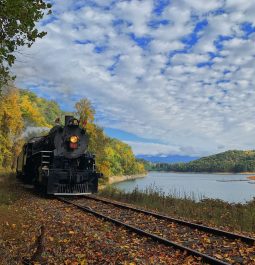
(74,139)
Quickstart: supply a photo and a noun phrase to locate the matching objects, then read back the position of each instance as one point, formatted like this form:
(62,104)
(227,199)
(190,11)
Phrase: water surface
(227,187)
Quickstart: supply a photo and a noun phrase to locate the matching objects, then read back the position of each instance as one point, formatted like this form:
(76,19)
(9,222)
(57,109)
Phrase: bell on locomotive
(59,163)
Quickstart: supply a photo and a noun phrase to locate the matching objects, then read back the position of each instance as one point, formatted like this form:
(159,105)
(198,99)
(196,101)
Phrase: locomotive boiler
(59,163)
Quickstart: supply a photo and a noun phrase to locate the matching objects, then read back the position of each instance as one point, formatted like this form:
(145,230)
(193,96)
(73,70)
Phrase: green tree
(18,28)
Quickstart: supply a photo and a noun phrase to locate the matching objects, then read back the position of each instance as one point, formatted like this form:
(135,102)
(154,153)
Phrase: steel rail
(204,257)
(214,231)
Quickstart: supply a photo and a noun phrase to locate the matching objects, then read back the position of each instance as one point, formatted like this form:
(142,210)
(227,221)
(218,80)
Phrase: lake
(227,187)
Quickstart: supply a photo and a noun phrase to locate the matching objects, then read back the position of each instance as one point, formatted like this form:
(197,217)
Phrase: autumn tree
(31,114)
(38,111)
(113,157)
(11,126)
(20,109)
(85,110)
(18,28)
(97,138)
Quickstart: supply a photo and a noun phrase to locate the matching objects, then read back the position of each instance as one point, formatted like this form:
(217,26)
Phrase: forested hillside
(21,109)
(113,157)
(230,161)
(23,114)
(44,110)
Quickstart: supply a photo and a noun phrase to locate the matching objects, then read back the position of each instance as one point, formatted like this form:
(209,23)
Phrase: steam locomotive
(59,163)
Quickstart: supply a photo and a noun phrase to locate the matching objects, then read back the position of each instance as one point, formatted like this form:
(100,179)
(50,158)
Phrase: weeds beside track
(214,212)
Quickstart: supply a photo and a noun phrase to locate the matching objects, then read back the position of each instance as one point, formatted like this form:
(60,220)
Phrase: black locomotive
(59,163)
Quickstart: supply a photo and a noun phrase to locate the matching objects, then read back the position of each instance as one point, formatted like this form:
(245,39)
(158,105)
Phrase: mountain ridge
(166,158)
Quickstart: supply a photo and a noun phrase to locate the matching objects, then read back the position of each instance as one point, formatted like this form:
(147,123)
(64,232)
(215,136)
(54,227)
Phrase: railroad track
(213,246)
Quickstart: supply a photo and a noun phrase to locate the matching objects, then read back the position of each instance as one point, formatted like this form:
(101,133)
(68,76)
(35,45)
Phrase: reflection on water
(227,187)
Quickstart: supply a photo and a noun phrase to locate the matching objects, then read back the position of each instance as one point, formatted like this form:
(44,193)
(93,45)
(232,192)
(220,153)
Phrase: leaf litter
(53,233)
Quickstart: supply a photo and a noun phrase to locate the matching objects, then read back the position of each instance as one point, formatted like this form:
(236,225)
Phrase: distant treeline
(229,161)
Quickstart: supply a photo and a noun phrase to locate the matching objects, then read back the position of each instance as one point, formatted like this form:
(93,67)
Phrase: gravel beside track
(232,251)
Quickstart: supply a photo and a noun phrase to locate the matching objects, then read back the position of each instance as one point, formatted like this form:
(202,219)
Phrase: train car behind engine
(59,162)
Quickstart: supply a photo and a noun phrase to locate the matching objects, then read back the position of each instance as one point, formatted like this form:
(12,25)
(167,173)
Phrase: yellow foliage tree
(85,110)
(31,112)
(113,157)
(97,139)
(11,126)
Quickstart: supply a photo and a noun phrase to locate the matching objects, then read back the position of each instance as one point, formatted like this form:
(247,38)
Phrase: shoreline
(117,179)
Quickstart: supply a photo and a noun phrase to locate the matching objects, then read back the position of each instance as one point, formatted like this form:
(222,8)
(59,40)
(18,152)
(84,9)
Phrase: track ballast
(213,246)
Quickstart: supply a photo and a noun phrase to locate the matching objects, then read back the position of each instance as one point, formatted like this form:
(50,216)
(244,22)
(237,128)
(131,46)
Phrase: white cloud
(137,12)
(204,6)
(189,109)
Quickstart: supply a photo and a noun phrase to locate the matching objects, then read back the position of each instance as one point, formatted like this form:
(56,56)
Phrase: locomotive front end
(72,176)
(73,170)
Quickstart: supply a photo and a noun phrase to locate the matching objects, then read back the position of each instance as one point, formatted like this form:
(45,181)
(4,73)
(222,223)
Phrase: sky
(169,77)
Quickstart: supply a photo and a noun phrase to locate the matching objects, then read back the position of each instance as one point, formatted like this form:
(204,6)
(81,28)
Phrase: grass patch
(236,216)
(8,192)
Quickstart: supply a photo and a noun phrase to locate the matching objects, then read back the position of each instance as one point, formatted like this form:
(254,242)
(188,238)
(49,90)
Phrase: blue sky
(168,77)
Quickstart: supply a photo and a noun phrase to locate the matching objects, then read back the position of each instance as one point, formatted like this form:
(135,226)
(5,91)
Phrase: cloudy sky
(168,77)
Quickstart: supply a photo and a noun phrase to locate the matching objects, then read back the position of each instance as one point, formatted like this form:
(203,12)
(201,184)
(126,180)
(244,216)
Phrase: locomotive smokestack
(67,119)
